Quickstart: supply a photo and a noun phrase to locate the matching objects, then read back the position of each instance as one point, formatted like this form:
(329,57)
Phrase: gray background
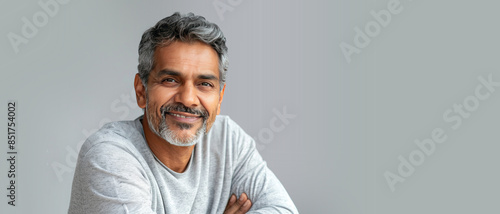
(353,120)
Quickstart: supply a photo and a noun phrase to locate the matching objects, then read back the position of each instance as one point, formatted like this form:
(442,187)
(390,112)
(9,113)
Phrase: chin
(177,134)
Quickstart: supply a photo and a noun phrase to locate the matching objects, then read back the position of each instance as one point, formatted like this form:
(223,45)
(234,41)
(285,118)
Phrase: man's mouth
(184,115)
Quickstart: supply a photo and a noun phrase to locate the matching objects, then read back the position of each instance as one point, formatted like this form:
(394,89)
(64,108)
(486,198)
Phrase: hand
(240,206)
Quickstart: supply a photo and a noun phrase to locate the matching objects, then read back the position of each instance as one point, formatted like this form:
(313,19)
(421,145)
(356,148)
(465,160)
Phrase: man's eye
(168,80)
(206,84)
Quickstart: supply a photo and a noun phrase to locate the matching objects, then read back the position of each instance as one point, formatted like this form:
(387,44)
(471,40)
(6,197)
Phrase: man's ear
(220,98)
(140,92)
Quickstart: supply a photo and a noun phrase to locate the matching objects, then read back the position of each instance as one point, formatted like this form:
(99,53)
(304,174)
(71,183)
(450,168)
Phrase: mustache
(182,108)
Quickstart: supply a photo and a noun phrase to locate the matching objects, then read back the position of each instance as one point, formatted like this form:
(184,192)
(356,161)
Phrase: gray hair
(184,28)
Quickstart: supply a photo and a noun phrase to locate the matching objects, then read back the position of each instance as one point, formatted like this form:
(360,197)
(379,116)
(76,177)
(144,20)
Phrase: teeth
(178,115)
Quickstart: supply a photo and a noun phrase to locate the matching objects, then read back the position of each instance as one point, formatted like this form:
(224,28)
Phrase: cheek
(151,113)
(211,105)
(159,97)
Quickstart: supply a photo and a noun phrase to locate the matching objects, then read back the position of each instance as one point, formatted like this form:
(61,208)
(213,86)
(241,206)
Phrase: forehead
(193,57)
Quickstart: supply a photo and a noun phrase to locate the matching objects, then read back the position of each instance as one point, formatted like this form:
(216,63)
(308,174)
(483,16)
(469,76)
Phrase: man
(180,157)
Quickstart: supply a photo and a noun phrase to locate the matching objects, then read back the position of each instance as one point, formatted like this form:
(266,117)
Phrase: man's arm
(108,179)
(253,177)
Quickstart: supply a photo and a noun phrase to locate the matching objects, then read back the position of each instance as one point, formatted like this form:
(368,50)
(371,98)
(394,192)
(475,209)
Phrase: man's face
(183,94)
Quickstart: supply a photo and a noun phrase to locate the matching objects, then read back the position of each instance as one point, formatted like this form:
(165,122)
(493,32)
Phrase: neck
(174,157)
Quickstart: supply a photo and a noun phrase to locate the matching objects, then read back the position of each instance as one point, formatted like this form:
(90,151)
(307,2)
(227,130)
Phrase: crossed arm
(256,181)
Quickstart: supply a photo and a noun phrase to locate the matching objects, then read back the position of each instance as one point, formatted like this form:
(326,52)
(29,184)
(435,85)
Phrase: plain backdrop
(354,121)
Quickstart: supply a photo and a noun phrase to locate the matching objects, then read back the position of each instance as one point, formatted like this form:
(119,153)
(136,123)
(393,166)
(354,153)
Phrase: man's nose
(187,95)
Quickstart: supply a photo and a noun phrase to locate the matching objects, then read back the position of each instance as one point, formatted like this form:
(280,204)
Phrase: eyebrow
(208,77)
(165,72)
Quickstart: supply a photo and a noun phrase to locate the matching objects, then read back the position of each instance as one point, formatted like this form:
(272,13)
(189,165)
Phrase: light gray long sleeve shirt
(117,172)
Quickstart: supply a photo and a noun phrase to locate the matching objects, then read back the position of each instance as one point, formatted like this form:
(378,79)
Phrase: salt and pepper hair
(183,28)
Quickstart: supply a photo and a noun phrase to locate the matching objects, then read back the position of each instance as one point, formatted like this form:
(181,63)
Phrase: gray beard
(163,131)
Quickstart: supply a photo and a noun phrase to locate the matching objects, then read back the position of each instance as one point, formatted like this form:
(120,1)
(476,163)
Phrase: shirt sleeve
(253,177)
(109,179)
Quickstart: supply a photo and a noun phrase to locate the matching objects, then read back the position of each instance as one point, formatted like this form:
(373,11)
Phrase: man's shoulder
(118,134)
(225,123)
(226,131)
(221,120)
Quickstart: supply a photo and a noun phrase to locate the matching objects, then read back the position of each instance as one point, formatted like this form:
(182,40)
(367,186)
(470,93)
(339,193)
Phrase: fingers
(240,206)
(232,199)
(245,207)
(244,203)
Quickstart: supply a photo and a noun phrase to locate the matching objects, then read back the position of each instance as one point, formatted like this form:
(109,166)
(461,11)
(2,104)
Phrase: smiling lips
(184,117)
